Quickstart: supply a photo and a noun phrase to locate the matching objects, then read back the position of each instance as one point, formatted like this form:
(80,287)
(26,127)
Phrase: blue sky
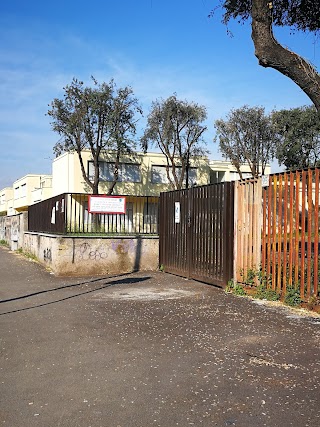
(156,46)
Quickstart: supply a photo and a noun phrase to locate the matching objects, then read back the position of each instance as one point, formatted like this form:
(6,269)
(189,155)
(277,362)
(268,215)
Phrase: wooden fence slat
(297,222)
(310,217)
(316,272)
(303,229)
(285,232)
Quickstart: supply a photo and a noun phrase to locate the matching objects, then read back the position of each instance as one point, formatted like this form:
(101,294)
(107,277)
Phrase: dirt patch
(145,294)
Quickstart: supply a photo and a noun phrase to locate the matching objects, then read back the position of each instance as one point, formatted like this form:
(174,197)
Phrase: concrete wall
(80,256)
(12,229)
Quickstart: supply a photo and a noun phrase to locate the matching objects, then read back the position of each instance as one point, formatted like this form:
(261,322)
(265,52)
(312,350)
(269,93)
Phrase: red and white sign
(102,204)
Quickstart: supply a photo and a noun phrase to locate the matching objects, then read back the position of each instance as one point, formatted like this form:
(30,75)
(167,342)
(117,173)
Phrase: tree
(176,127)
(299,133)
(247,136)
(303,15)
(97,118)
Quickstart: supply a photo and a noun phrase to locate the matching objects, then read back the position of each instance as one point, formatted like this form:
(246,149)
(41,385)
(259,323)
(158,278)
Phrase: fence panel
(72,216)
(291,232)
(248,229)
(48,216)
(196,232)
(277,232)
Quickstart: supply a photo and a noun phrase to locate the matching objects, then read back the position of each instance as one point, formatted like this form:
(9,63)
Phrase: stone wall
(79,256)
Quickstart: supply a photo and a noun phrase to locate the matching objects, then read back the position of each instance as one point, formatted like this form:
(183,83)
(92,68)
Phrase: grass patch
(27,254)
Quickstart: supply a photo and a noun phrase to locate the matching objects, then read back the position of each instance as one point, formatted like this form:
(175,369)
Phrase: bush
(292,297)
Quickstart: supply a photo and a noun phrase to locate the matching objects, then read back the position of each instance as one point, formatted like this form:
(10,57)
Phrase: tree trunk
(272,54)
(115,175)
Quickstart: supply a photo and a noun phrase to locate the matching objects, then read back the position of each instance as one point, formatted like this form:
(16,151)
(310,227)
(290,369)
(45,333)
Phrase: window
(128,172)
(23,190)
(159,175)
(217,177)
(17,192)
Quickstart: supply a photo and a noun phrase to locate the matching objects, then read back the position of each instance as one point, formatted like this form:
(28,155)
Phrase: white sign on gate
(107,204)
(177,212)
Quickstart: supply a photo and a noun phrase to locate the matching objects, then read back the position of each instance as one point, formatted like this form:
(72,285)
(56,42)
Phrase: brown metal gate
(196,232)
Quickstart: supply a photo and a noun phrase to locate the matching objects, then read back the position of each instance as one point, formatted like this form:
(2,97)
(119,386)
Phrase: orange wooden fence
(277,231)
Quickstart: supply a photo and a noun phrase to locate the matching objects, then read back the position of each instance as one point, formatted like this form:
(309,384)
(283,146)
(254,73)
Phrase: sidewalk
(149,349)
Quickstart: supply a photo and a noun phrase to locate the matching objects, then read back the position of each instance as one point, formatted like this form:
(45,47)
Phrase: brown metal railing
(68,214)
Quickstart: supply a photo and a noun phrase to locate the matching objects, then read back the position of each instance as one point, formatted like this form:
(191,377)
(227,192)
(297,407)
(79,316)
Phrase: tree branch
(272,54)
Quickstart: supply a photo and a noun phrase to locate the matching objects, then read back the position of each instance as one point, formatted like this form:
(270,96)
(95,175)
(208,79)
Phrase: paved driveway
(149,349)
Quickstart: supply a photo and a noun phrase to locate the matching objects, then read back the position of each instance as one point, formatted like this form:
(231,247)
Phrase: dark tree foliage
(301,15)
(299,132)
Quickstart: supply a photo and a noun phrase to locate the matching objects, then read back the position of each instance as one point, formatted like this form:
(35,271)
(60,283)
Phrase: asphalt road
(149,349)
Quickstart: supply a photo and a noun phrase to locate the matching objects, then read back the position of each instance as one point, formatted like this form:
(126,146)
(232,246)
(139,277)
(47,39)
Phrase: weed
(3,243)
(266,293)
(292,296)
(161,268)
(235,288)
(230,286)
(27,254)
(239,290)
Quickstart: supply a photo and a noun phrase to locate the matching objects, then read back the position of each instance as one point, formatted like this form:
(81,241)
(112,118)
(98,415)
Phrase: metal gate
(196,232)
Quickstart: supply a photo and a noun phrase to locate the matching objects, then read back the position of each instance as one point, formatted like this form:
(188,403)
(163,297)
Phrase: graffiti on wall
(86,252)
(10,228)
(47,254)
(15,228)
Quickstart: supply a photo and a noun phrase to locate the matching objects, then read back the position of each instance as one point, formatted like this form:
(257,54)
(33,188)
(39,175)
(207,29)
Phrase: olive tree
(303,15)
(247,136)
(176,128)
(299,137)
(98,118)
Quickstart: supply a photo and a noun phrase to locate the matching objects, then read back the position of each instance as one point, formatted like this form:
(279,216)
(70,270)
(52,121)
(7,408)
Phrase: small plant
(230,286)
(239,290)
(161,268)
(235,288)
(312,302)
(292,297)
(266,293)
(3,243)
(251,275)
(27,254)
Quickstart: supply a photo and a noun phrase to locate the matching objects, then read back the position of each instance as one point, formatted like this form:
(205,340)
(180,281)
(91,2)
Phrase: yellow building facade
(139,174)
(25,191)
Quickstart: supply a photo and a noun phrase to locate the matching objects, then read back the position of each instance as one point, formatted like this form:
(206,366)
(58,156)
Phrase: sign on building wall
(107,204)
